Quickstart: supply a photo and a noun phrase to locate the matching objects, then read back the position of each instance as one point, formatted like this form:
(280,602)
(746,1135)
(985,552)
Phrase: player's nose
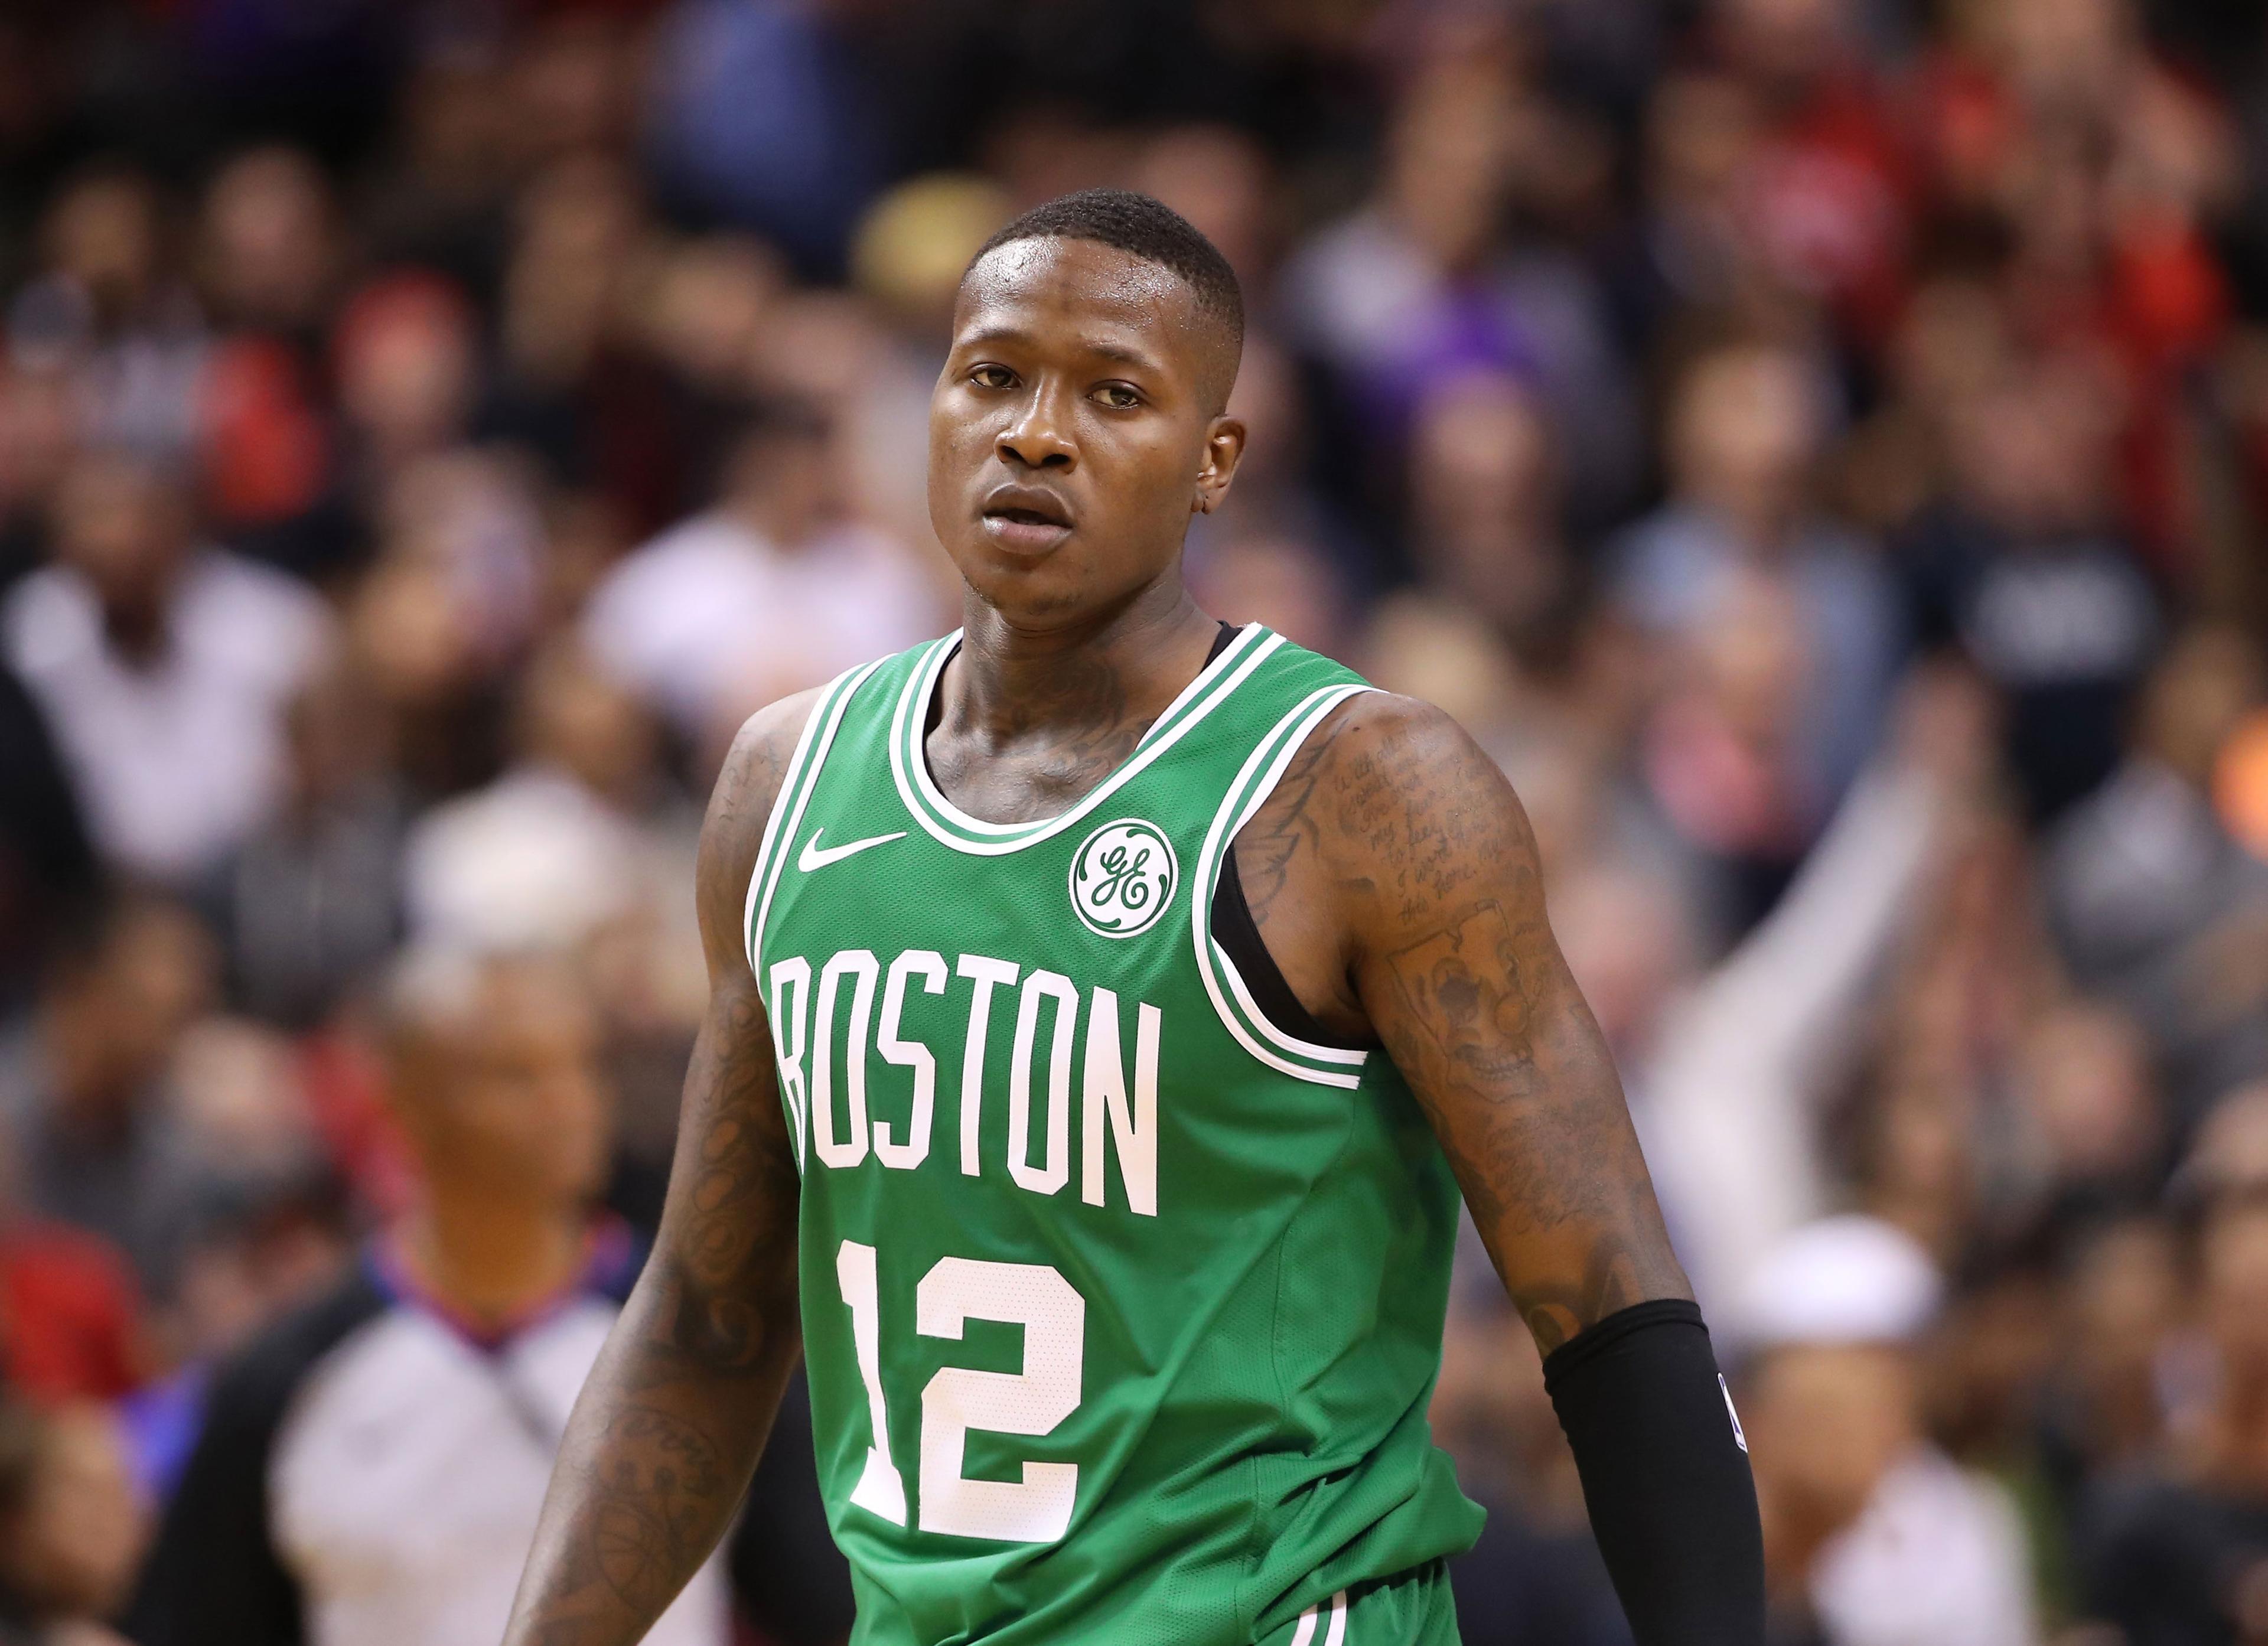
(1039,435)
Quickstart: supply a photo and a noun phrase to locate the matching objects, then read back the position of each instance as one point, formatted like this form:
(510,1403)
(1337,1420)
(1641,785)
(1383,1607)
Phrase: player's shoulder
(1389,777)
(1376,735)
(756,765)
(762,761)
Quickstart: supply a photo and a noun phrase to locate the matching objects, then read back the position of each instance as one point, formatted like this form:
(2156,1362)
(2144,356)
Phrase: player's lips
(1026,519)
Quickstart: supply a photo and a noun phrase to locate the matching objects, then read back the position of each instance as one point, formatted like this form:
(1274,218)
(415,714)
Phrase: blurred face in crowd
(1077,425)
(70,1542)
(499,1088)
(1217,177)
(405,364)
(268,255)
(1449,164)
(125,528)
(2208,682)
(114,1020)
(1825,1422)
(575,716)
(2086,1082)
(2122,1299)
(103,234)
(2234,1288)
(1784,43)
(780,479)
(2032,454)
(1743,436)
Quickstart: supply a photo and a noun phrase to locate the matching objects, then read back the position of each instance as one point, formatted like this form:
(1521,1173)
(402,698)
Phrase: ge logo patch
(1122,878)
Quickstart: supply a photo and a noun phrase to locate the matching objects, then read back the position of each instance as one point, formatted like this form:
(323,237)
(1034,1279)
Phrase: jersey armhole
(1238,933)
(1223,971)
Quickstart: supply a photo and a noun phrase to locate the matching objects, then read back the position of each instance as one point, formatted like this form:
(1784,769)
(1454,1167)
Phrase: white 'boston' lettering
(908,1055)
(984,972)
(788,1031)
(1047,1178)
(850,1150)
(1135,1134)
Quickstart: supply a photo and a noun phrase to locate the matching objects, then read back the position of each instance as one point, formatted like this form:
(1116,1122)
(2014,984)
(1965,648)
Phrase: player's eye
(989,376)
(1118,396)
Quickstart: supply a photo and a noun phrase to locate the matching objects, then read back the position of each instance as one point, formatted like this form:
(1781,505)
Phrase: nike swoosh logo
(815,857)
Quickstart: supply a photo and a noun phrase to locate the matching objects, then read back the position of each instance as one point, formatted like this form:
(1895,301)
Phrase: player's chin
(1028,588)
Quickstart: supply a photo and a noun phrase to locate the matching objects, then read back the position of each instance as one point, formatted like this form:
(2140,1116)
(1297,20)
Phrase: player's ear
(1224,450)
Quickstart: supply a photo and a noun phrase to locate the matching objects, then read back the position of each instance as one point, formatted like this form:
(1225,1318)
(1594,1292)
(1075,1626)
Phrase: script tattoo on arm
(669,1427)
(1419,843)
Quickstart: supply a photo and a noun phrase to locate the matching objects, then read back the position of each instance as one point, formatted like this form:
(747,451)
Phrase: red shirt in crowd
(68,1307)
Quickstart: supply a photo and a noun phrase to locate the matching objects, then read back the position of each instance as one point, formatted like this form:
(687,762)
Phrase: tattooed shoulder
(747,786)
(1459,973)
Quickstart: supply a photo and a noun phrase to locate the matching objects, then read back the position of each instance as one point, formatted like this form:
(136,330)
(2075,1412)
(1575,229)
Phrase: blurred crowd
(1819,446)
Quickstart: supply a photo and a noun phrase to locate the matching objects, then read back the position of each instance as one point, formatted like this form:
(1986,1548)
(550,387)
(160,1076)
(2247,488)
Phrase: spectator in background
(1872,1536)
(1744,434)
(459,1344)
(1485,509)
(768,591)
(48,867)
(1420,284)
(70,1529)
(311,904)
(70,1324)
(1731,1085)
(2148,896)
(2024,568)
(85,1091)
(110,319)
(2181,1556)
(163,666)
(560,844)
(757,115)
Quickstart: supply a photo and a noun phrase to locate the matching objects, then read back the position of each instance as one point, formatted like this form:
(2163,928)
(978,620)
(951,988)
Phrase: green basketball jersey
(1122,1306)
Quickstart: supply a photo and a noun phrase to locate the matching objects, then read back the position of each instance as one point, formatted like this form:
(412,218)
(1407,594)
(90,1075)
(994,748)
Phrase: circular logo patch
(1122,878)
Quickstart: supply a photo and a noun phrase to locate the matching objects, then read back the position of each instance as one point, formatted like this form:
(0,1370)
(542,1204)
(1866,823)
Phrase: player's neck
(1122,668)
(491,1260)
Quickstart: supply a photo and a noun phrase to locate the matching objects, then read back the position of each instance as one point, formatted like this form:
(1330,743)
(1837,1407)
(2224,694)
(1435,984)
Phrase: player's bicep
(1459,973)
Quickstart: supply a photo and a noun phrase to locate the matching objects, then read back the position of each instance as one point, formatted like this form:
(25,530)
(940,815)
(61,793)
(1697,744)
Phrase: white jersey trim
(950,826)
(1334,1629)
(795,794)
(1234,1003)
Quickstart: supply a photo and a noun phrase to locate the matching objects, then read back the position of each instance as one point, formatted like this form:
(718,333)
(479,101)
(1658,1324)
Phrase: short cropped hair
(1141,227)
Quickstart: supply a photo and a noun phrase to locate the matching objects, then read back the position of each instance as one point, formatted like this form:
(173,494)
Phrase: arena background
(1820,446)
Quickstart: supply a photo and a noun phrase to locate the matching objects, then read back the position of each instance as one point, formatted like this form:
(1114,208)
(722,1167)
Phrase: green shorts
(1411,1609)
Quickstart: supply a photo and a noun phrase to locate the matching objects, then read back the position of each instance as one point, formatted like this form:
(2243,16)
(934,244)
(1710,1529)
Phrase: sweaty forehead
(1084,295)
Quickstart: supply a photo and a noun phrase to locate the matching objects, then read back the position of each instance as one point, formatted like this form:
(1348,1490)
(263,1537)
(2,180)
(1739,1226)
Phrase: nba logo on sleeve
(1122,878)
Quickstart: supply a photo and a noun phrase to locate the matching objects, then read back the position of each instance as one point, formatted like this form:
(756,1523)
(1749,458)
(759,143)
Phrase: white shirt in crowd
(1937,1558)
(178,763)
(712,620)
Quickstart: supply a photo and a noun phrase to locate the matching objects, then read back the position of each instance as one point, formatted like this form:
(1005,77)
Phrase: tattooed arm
(1416,910)
(668,1429)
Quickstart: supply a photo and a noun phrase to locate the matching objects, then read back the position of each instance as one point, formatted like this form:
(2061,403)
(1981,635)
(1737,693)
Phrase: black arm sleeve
(1664,1475)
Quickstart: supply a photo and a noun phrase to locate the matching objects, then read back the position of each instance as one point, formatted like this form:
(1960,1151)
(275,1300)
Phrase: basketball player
(1107,1006)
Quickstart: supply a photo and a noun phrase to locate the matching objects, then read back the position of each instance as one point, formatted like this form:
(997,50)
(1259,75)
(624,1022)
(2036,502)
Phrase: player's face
(1074,429)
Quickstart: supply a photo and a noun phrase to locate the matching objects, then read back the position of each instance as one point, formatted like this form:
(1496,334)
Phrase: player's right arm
(669,1427)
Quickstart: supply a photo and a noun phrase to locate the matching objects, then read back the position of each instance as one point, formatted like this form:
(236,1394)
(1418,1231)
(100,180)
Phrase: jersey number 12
(1035,1509)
